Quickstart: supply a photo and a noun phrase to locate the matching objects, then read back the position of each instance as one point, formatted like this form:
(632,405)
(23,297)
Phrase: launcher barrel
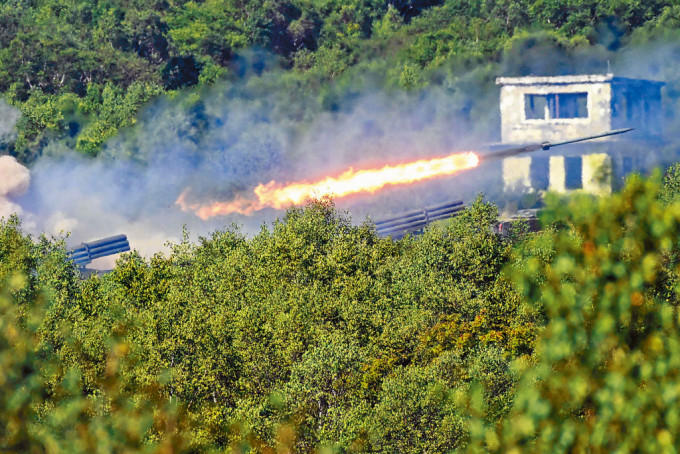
(84,253)
(502,154)
(414,221)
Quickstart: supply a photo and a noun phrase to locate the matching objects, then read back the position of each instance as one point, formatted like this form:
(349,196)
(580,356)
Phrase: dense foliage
(80,71)
(608,360)
(314,326)
(317,333)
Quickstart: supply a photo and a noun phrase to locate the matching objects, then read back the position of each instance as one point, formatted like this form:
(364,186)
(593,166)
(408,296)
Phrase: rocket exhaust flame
(277,195)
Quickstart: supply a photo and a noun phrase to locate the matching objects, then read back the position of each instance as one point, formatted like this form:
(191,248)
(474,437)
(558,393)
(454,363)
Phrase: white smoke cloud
(243,140)
(14,182)
(8,208)
(92,199)
(243,133)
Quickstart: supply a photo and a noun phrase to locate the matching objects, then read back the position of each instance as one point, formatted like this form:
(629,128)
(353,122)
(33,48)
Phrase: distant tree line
(80,71)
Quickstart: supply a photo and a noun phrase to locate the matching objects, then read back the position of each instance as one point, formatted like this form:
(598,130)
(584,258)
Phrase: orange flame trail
(277,195)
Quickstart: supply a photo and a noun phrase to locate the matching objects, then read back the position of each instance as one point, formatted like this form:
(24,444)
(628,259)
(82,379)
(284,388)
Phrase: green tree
(608,359)
(45,404)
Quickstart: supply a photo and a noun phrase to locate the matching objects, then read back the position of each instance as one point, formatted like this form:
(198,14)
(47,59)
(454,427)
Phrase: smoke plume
(224,140)
(14,182)
(230,138)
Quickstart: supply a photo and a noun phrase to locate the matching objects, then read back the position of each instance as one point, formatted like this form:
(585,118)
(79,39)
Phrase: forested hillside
(314,334)
(80,71)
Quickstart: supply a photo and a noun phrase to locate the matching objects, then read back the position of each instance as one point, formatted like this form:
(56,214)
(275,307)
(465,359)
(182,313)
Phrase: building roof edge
(571,79)
(555,80)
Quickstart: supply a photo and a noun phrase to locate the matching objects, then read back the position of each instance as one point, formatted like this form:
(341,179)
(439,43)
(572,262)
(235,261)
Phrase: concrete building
(554,109)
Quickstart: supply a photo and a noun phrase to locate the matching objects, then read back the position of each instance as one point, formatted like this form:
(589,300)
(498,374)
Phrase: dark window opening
(535,106)
(539,173)
(556,105)
(573,179)
(572,105)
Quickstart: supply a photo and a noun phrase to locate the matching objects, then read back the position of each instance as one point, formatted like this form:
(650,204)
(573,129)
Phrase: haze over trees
(80,71)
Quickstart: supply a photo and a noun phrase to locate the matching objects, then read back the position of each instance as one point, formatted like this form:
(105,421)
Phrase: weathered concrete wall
(596,174)
(557,175)
(516,128)
(637,104)
(517,174)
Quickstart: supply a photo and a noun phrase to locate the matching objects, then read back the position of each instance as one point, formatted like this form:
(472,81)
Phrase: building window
(556,105)
(539,173)
(573,176)
(535,107)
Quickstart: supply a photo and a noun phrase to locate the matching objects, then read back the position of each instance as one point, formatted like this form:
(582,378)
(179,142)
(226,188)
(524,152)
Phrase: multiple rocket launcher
(396,226)
(84,253)
(400,225)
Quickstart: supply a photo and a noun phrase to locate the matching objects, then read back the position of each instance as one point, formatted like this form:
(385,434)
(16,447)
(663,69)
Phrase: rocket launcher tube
(547,145)
(502,154)
(84,253)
